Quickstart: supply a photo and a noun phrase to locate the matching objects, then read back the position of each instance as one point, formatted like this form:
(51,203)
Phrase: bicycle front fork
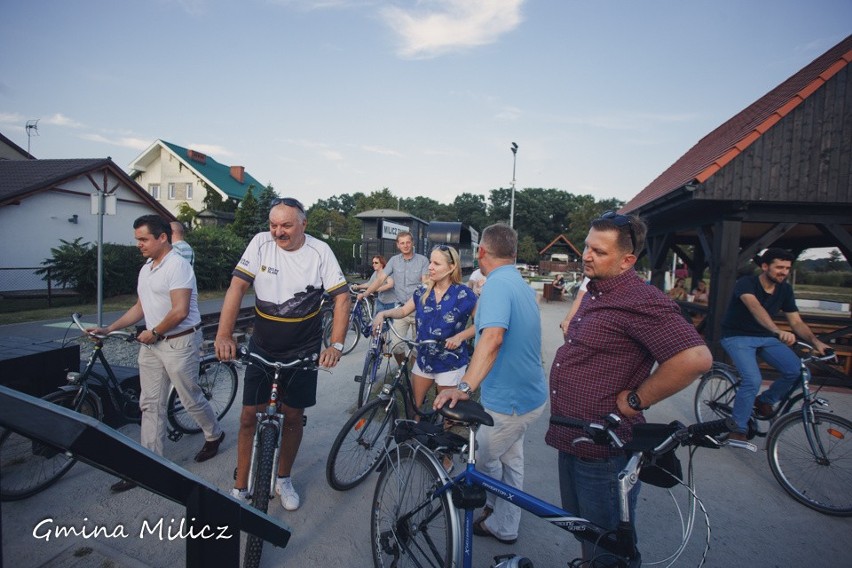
(264,420)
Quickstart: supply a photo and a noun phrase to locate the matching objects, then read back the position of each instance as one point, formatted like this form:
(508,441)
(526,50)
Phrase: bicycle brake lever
(742,445)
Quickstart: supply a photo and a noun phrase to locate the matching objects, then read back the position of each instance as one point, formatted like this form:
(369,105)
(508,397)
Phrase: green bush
(836,278)
(75,265)
(217,251)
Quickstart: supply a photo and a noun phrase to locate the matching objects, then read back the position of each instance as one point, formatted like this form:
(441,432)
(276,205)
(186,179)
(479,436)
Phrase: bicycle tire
(359,445)
(353,334)
(268,441)
(715,395)
(218,381)
(326,316)
(28,466)
(822,483)
(430,536)
(373,377)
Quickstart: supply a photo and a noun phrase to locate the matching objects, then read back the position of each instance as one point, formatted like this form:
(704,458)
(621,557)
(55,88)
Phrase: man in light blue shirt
(507,363)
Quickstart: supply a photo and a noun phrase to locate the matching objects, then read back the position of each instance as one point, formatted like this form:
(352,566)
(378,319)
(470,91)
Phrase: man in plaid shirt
(622,327)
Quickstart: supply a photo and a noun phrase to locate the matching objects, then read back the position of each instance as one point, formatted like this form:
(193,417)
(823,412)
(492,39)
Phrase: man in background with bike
(408,270)
(506,362)
(749,332)
(621,328)
(290,271)
(168,300)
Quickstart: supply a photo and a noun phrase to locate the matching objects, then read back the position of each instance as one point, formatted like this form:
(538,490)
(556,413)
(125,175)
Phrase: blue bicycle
(360,322)
(414,519)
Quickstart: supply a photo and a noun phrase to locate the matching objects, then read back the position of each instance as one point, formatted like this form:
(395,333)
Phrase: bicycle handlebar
(119,334)
(425,343)
(307,362)
(829,353)
(604,434)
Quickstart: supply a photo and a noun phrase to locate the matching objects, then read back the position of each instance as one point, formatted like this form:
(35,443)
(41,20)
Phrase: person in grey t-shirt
(407,269)
(181,246)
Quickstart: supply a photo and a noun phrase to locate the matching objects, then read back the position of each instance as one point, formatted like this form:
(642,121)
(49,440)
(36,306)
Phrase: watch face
(633,401)
(464,387)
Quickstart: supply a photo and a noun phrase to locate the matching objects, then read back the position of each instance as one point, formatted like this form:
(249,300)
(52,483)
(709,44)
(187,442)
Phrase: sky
(424,97)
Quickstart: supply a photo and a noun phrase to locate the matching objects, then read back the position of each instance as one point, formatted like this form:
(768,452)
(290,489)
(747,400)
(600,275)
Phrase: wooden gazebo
(779,173)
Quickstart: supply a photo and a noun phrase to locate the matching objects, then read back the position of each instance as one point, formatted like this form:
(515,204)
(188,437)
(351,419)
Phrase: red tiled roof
(718,148)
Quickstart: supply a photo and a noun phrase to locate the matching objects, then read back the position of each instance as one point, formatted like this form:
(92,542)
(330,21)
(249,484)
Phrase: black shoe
(480,530)
(122,486)
(763,409)
(209,449)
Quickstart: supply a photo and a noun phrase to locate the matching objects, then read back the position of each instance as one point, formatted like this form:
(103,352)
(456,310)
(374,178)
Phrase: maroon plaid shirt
(622,327)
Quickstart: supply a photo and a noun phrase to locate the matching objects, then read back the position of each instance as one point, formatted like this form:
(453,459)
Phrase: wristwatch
(464,387)
(156,334)
(338,346)
(634,402)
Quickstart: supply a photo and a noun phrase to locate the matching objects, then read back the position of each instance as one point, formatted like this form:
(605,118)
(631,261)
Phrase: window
(154,190)
(172,191)
(189,192)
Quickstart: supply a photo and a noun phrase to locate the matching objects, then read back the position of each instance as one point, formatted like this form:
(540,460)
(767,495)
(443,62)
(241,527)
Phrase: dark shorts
(296,389)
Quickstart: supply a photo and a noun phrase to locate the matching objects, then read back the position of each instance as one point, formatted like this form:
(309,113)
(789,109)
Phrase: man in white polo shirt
(168,300)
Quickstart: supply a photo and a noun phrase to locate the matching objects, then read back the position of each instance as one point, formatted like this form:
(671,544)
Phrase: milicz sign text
(391,230)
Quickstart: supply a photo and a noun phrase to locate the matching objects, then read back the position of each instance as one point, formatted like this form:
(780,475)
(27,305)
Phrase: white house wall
(169,169)
(35,226)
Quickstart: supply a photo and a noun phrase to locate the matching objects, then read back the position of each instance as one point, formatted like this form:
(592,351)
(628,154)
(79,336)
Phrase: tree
(470,210)
(213,201)
(264,203)
(527,250)
(186,214)
(383,199)
(246,216)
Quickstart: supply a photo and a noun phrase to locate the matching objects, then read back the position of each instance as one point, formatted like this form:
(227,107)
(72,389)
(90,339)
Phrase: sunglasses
(376,262)
(442,248)
(289,202)
(620,221)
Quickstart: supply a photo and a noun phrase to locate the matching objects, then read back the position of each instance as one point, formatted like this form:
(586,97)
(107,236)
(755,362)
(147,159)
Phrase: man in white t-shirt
(168,300)
(290,271)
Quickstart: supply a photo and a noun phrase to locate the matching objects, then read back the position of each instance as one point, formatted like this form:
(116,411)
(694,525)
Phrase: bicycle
(360,444)
(809,450)
(414,519)
(360,323)
(267,444)
(377,363)
(110,395)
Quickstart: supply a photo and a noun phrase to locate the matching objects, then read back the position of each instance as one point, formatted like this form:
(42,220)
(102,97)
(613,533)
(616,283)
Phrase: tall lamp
(514,148)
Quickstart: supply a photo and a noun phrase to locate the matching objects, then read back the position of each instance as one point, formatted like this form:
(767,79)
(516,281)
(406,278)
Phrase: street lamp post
(514,148)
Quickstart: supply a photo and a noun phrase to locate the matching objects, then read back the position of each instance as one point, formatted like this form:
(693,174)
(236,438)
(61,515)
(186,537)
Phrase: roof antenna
(32,126)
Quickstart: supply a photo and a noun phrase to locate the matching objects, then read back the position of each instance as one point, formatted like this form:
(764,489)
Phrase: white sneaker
(240,495)
(289,497)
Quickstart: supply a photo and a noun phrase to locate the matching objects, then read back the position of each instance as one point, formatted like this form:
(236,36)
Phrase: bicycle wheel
(326,315)
(267,442)
(813,462)
(353,334)
(28,466)
(407,526)
(359,445)
(374,375)
(218,381)
(714,397)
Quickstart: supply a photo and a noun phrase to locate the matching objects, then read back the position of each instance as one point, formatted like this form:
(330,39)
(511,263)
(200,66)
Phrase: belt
(184,332)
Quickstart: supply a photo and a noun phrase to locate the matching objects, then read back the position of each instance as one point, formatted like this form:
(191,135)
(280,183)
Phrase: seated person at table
(701,294)
(678,292)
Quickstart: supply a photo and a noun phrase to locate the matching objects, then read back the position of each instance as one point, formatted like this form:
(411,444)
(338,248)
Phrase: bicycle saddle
(469,412)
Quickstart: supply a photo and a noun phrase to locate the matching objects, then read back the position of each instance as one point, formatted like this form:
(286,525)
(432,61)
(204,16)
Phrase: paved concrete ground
(754,522)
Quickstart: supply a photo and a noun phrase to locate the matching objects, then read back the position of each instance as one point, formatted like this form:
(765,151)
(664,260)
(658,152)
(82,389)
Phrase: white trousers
(501,455)
(172,362)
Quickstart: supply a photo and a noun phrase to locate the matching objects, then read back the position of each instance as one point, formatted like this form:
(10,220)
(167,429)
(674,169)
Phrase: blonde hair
(451,255)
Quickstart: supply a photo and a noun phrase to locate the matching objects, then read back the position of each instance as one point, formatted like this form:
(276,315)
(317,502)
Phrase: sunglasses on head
(619,221)
(442,248)
(289,202)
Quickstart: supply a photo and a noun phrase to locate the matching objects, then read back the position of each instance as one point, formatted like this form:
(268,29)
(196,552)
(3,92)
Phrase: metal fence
(20,284)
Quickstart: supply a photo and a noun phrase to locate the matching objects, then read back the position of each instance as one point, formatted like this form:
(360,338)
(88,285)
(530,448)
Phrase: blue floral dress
(440,321)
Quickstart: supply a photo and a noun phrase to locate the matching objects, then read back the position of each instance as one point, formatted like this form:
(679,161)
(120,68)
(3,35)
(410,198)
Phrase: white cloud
(436,27)
(124,142)
(60,119)
(380,150)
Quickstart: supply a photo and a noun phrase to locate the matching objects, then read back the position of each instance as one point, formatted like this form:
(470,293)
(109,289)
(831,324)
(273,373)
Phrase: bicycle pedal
(175,435)
(359,379)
